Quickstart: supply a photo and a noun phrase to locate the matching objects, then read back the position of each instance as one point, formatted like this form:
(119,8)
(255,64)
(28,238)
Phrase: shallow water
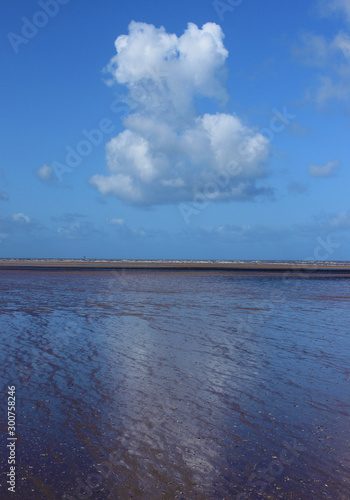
(151,384)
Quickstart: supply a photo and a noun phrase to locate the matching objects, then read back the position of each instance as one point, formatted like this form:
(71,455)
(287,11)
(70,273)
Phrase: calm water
(189,385)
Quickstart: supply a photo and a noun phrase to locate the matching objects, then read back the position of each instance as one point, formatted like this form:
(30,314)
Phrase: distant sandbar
(238,266)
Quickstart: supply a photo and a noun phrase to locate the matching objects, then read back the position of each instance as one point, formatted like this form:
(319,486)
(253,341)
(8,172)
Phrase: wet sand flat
(156,385)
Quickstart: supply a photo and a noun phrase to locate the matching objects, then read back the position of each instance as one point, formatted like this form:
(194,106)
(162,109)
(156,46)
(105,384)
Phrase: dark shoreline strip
(281,271)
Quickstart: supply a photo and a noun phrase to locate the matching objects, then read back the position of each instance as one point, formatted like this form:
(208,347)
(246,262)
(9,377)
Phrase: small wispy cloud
(45,173)
(324,224)
(321,225)
(327,8)
(324,170)
(75,226)
(312,50)
(126,231)
(236,233)
(117,221)
(20,217)
(18,223)
(330,56)
(79,230)
(341,221)
(4,196)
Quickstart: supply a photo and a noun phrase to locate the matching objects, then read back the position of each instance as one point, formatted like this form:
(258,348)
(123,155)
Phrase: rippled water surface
(189,385)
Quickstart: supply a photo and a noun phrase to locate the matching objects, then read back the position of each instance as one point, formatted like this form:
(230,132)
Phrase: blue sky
(190,130)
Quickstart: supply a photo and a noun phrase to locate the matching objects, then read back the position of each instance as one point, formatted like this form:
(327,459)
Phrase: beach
(237,266)
(200,384)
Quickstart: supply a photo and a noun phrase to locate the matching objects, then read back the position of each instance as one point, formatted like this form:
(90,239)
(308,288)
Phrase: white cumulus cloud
(169,150)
